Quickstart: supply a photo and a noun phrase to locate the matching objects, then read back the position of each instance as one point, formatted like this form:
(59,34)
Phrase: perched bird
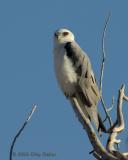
(75,75)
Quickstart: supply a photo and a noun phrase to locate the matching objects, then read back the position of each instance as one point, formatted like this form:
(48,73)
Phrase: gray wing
(82,66)
(87,92)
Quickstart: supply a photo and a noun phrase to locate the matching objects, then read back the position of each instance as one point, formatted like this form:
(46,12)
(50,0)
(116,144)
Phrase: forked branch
(118,128)
(99,150)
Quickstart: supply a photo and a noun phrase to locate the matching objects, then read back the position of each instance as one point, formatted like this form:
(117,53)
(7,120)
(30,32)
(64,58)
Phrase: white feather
(65,73)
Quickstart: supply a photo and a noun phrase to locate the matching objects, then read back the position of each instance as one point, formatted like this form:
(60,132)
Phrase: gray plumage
(75,75)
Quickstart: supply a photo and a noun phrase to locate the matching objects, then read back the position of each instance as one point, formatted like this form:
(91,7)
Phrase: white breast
(65,73)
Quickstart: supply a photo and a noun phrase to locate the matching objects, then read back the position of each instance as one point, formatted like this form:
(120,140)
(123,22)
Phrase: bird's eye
(65,33)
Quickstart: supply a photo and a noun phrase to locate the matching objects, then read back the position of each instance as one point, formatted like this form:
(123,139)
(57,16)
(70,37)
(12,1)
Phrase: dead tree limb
(118,128)
(99,149)
(20,131)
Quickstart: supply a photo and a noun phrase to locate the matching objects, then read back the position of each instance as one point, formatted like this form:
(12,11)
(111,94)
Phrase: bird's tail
(92,113)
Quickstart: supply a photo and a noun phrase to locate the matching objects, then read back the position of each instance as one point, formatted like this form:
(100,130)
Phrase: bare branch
(106,112)
(117,128)
(109,109)
(104,53)
(99,152)
(20,131)
(98,147)
(102,72)
(31,113)
(125,98)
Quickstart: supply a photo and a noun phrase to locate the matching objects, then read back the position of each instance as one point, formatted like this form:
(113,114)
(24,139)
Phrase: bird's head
(63,36)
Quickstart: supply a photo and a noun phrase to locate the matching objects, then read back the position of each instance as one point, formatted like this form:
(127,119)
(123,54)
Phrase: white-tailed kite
(75,75)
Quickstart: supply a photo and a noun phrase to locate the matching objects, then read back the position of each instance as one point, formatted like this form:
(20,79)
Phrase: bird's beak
(56,35)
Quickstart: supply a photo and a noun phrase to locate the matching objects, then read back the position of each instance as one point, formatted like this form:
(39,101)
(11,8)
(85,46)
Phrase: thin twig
(102,71)
(21,129)
(106,112)
(109,109)
(104,53)
(125,98)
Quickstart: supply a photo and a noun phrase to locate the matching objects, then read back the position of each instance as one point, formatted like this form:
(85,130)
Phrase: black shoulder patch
(69,49)
(71,54)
